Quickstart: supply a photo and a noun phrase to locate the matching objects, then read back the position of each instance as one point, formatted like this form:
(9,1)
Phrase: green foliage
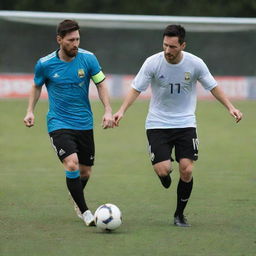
(241,8)
(36,217)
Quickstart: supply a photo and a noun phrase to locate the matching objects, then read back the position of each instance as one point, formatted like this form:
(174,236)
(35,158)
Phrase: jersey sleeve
(95,70)
(39,78)
(205,77)
(143,78)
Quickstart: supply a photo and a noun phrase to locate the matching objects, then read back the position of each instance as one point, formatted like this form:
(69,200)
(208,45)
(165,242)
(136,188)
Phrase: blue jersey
(67,84)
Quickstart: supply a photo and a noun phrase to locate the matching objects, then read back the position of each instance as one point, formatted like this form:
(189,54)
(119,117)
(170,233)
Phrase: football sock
(76,190)
(183,193)
(165,180)
(84,181)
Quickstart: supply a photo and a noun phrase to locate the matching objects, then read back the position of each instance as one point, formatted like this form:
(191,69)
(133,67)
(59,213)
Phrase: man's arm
(221,97)
(130,98)
(107,120)
(33,99)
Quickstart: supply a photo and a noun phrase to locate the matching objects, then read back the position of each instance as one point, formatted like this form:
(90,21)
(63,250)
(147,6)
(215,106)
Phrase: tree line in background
(218,8)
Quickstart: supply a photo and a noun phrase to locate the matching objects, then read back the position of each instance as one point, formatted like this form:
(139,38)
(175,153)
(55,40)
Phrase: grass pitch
(37,218)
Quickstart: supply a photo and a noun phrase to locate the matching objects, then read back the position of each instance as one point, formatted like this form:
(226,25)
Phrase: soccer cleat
(166,180)
(76,208)
(88,218)
(181,221)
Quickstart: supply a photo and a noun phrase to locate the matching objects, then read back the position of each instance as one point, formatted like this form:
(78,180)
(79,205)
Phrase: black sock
(76,190)
(183,193)
(84,181)
(165,180)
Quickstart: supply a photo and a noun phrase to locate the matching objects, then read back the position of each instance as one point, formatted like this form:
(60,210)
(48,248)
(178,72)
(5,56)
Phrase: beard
(169,57)
(172,58)
(71,53)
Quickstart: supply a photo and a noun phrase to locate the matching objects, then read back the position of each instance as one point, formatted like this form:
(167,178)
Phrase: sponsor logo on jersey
(187,76)
(81,73)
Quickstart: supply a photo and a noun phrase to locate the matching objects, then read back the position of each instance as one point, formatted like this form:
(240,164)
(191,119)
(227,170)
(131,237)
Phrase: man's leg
(163,170)
(75,187)
(160,151)
(184,190)
(73,181)
(85,173)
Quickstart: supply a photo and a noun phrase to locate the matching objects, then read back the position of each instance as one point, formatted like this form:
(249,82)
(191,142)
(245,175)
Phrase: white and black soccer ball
(108,217)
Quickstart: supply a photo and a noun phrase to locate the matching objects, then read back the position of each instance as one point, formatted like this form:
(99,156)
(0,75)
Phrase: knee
(162,169)
(85,175)
(85,172)
(186,173)
(71,165)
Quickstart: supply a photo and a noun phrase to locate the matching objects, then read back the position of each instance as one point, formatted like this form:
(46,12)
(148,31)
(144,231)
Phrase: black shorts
(66,142)
(162,141)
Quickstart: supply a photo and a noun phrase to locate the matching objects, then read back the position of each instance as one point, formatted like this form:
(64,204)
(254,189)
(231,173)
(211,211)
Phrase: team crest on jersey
(81,73)
(187,76)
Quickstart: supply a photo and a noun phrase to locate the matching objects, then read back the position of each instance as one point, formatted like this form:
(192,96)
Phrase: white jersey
(173,87)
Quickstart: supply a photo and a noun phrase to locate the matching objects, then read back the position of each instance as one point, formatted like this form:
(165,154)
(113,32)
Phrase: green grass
(37,218)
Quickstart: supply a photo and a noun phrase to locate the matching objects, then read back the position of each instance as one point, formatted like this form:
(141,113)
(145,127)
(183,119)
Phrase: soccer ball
(108,217)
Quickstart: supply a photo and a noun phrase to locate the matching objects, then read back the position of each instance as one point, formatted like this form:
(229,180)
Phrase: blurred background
(122,51)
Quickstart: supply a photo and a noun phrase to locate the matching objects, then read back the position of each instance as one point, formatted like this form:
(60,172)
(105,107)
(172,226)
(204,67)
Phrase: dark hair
(175,30)
(67,26)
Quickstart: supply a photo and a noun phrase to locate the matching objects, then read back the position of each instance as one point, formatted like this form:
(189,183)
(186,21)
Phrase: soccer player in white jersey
(66,73)
(171,122)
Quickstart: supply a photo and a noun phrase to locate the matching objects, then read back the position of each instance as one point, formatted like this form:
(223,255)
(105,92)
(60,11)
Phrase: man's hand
(117,117)
(29,119)
(236,114)
(107,121)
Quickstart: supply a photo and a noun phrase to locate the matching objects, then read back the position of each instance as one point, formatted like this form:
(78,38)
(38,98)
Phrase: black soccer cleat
(181,221)
(166,180)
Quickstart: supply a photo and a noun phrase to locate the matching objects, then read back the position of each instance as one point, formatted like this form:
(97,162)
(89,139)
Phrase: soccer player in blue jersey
(66,73)
(171,123)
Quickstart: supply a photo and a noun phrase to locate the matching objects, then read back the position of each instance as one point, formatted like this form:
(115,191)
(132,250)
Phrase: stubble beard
(71,53)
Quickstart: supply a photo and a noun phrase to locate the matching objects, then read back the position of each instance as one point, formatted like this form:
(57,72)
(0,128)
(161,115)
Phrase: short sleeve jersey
(173,86)
(67,85)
